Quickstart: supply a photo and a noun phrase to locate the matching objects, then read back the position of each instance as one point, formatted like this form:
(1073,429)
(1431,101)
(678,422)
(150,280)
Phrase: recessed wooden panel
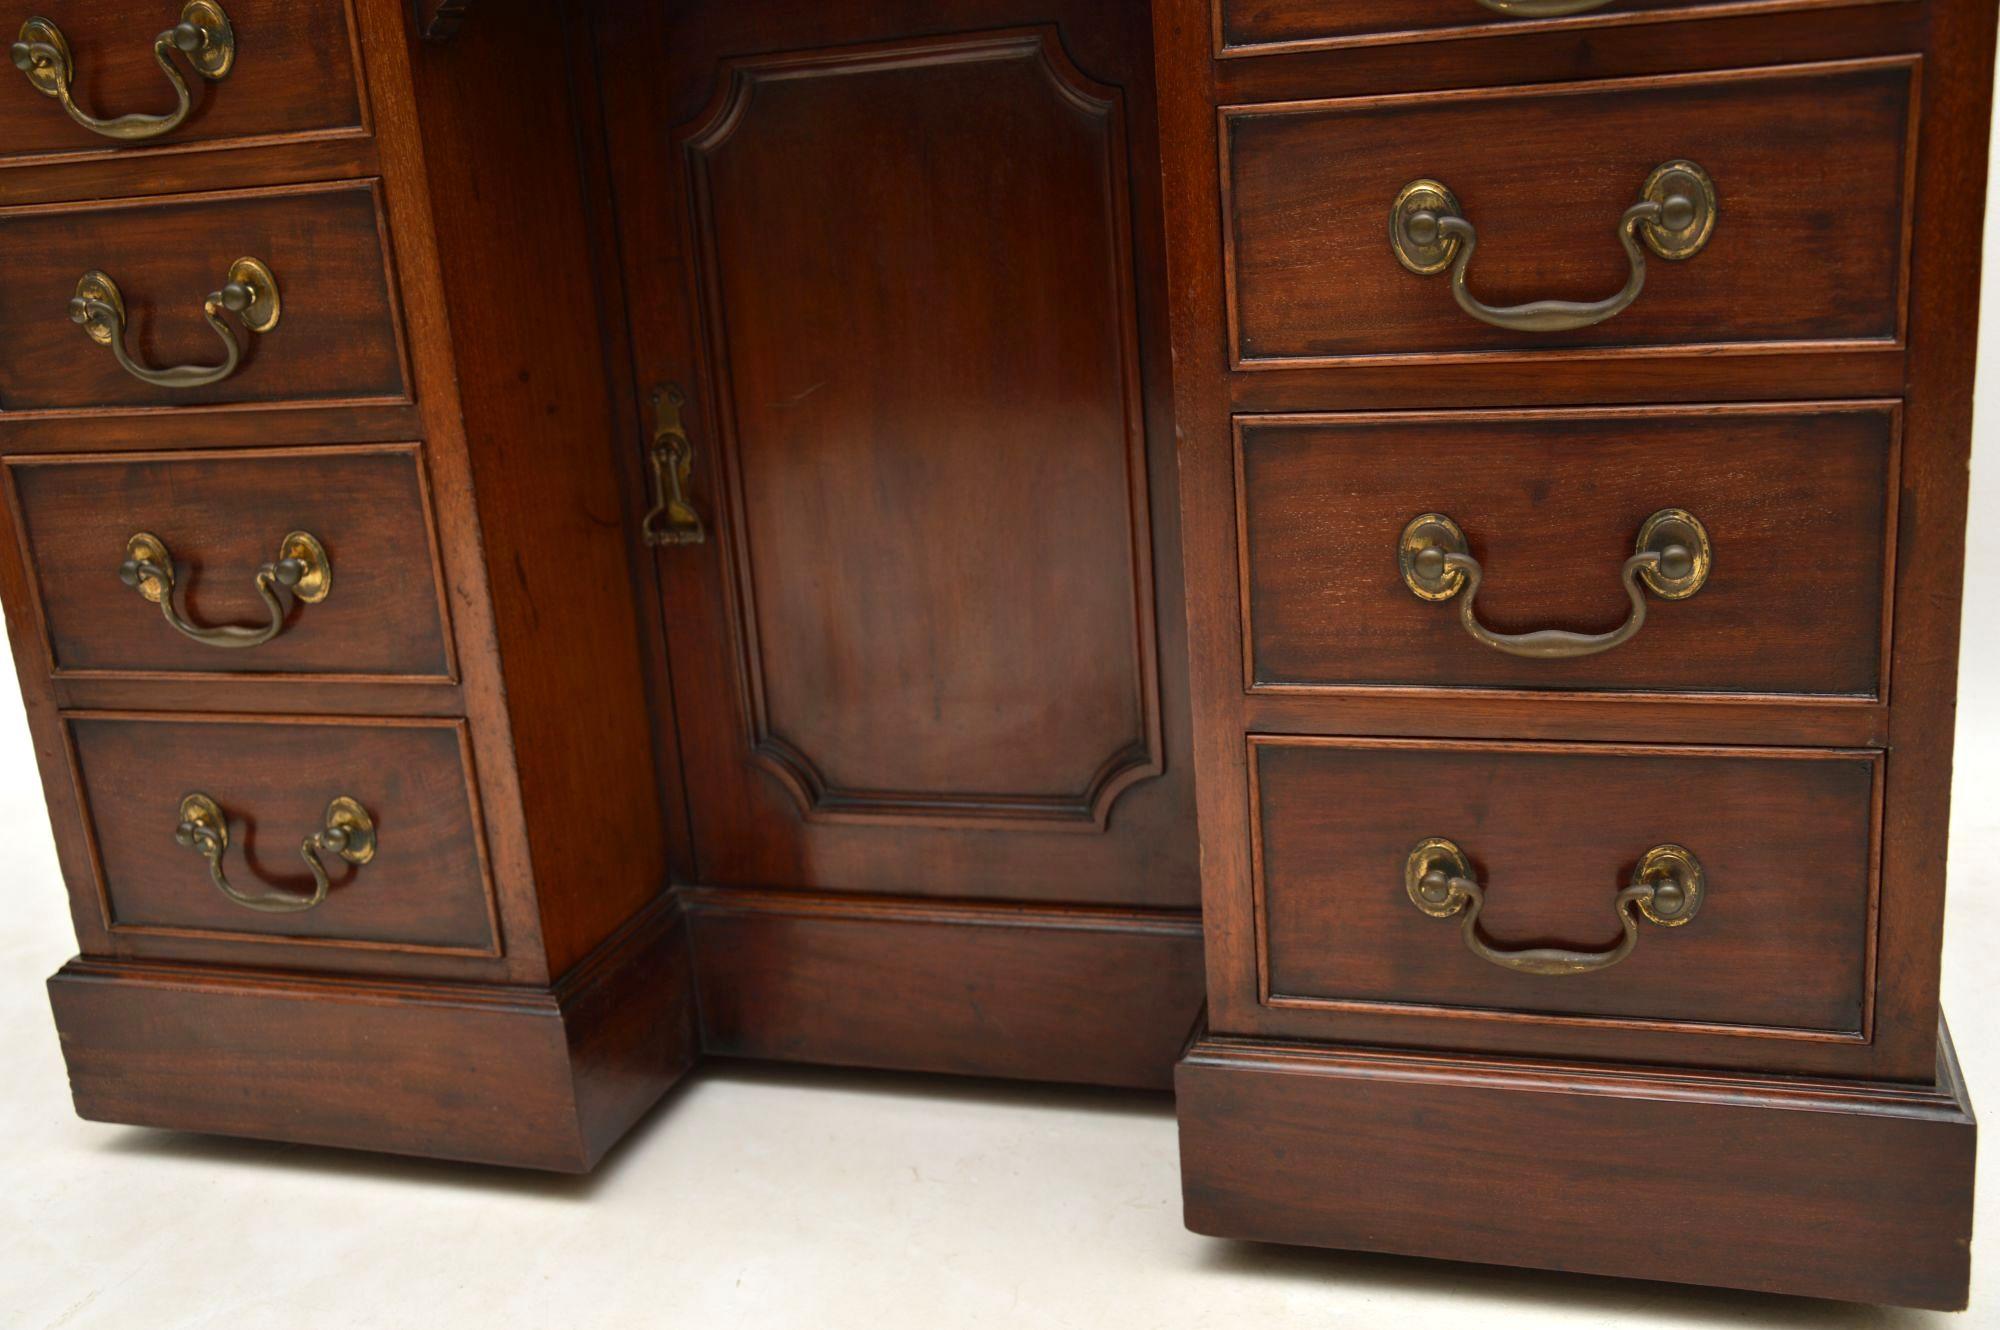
(1244,25)
(929,368)
(295,75)
(1809,246)
(1781,941)
(427,889)
(222,516)
(338,336)
(1796,501)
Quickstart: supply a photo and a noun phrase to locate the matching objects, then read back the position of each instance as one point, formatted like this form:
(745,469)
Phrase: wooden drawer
(223,517)
(1807,250)
(1243,27)
(426,889)
(294,76)
(1781,940)
(338,337)
(1797,503)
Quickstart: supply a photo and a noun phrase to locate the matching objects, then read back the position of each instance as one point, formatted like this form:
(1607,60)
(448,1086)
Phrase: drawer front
(223,518)
(1807,248)
(1796,504)
(1244,25)
(426,888)
(337,336)
(1780,941)
(293,74)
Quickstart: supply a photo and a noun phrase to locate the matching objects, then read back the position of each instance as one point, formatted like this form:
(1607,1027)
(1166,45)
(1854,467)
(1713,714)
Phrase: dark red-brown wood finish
(1056,406)
(1326,395)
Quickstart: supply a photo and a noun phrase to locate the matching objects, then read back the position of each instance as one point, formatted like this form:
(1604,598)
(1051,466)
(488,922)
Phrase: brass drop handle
(301,568)
(349,834)
(673,520)
(203,35)
(249,292)
(1675,216)
(1543,8)
(1666,889)
(1671,557)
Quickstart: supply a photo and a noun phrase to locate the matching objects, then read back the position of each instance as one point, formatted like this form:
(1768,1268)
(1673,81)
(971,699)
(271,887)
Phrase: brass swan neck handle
(203,36)
(1666,889)
(348,834)
(301,568)
(249,291)
(1675,216)
(1671,559)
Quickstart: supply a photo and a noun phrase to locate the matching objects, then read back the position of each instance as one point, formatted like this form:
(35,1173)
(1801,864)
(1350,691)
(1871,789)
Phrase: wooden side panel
(1837,1191)
(339,336)
(1809,247)
(223,516)
(1100,997)
(1797,505)
(528,374)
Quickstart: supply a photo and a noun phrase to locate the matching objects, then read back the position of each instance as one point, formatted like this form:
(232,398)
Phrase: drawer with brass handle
(266,296)
(1695,887)
(1246,27)
(339,833)
(295,562)
(91,74)
(1642,550)
(1704,210)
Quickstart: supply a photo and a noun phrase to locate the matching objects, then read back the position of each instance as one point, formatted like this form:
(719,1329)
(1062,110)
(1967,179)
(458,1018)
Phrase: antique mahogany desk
(1016,537)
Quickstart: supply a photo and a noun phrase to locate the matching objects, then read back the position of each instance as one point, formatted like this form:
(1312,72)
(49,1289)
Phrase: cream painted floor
(805,1200)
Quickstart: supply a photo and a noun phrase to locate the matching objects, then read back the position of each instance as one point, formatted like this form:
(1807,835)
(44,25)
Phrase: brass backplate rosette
(145,547)
(1423,254)
(1679,238)
(1424,572)
(1431,854)
(1681,884)
(1664,529)
(316,584)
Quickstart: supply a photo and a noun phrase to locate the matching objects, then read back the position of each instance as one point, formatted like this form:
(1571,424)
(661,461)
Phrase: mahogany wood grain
(339,337)
(154,429)
(1947,178)
(525,1077)
(1781,943)
(296,76)
(1616,42)
(108,175)
(1796,503)
(1089,995)
(1249,27)
(1808,247)
(529,401)
(1830,1190)
(222,516)
(923,650)
(426,890)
